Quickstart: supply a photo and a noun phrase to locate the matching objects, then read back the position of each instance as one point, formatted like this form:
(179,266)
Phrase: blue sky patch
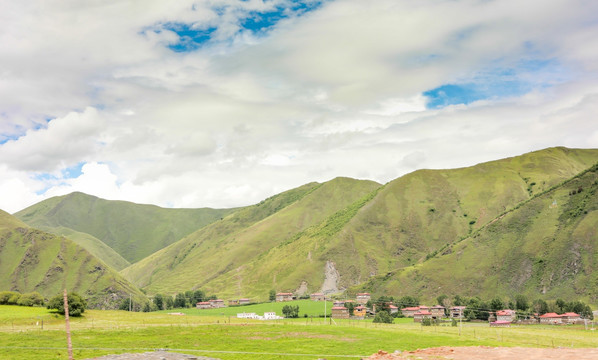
(529,74)
(194,36)
(73,171)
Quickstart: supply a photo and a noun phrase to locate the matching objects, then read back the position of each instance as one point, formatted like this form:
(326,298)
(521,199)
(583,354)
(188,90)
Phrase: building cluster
(218,303)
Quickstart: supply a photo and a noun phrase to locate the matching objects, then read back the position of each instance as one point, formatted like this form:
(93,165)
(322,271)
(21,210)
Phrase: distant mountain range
(519,225)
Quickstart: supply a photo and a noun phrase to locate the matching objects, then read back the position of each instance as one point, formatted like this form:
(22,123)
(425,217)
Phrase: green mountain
(33,260)
(224,249)
(344,233)
(132,230)
(544,247)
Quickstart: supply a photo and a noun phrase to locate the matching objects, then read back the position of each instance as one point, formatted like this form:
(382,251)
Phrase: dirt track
(492,353)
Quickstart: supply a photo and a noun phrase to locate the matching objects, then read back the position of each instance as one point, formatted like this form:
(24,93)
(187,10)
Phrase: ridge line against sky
(222,103)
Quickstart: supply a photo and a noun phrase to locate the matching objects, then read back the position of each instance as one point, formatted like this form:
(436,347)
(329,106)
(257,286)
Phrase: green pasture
(105,332)
(306,307)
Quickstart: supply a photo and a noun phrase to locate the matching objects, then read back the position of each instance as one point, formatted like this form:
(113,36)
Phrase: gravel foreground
(154,355)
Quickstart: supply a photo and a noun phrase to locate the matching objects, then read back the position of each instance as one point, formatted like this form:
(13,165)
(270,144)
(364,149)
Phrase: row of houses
(219,303)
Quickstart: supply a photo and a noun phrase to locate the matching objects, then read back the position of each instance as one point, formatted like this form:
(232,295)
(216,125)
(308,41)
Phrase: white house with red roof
(421,314)
(284,297)
(506,315)
(551,318)
(409,311)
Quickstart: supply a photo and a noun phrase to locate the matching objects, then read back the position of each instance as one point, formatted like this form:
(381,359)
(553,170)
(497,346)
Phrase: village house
(506,315)
(393,309)
(551,318)
(340,312)
(457,312)
(437,311)
(338,303)
(421,314)
(317,297)
(409,311)
(570,318)
(244,301)
(360,311)
(363,298)
(284,297)
(233,302)
(203,305)
(217,303)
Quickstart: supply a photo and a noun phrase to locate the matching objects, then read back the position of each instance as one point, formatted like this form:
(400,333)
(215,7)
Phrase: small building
(409,311)
(570,318)
(551,318)
(360,311)
(247,316)
(338,303)
(363,298)
(233,302)
(244,301)
(271,316)
(217,303)
(317,297)
(500,324)
(437,311)
(393,309)
(421,314)
(506,315)
(340,312)
(284,297)
(203,305)
(457,312)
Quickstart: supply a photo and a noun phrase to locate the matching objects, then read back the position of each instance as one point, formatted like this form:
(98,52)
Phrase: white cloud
(336,92)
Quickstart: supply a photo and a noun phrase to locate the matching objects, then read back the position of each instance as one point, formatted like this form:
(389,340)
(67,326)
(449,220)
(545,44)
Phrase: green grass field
(105,332)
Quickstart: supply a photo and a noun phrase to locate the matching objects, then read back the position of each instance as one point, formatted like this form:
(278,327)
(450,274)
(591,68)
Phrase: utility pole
(68,326)
(130,303)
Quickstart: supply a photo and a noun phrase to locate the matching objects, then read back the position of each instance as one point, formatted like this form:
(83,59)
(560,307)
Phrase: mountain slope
(546,247)
(134,231)
(371,232)
(32,260)
(200,259)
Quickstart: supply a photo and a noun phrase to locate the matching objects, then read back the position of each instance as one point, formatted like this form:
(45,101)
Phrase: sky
(223,103)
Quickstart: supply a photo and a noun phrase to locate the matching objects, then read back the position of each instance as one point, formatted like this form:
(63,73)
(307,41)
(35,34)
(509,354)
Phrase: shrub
(30,299)
(383,317)
(76,303)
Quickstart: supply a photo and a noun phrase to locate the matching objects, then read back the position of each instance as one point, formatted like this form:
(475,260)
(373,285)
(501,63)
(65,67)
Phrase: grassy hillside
(32,260)
(225,248)
(357,235)
(547,247)
(134,231)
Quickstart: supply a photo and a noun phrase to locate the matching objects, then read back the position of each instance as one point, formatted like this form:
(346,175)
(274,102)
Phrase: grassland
(103,332)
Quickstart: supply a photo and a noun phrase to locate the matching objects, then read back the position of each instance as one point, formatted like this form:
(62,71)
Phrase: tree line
(159,301)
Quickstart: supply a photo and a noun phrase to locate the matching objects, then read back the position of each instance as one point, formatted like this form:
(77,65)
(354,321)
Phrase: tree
(180,301)
(30,299)
(458,300)
(441,298)
(124,304)
(351,307)
(290,311)
(77,304)
(561,304)
(407,301)
(540,306)
(272,295)
(521,302)
(6,296)
(198,296)
(496,304)
(383,317)
(168,302)
(159,301)
(383,304)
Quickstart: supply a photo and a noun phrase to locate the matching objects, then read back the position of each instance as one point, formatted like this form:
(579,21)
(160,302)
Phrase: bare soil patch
(491,353)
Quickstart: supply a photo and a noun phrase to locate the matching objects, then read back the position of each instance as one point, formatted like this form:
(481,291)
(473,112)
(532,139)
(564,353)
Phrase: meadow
(226,337)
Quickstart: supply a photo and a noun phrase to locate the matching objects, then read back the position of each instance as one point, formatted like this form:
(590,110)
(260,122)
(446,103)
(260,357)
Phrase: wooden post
(68,326)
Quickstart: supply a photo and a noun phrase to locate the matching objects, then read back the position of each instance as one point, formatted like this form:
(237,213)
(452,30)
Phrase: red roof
(500,322)
(392,307)
(317,294)
(339,308)
(505,312)
(423,312)
(550,315)
(203,303)
(570,314)
(368,294)
(360,307)
(284,294)
(410,308)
